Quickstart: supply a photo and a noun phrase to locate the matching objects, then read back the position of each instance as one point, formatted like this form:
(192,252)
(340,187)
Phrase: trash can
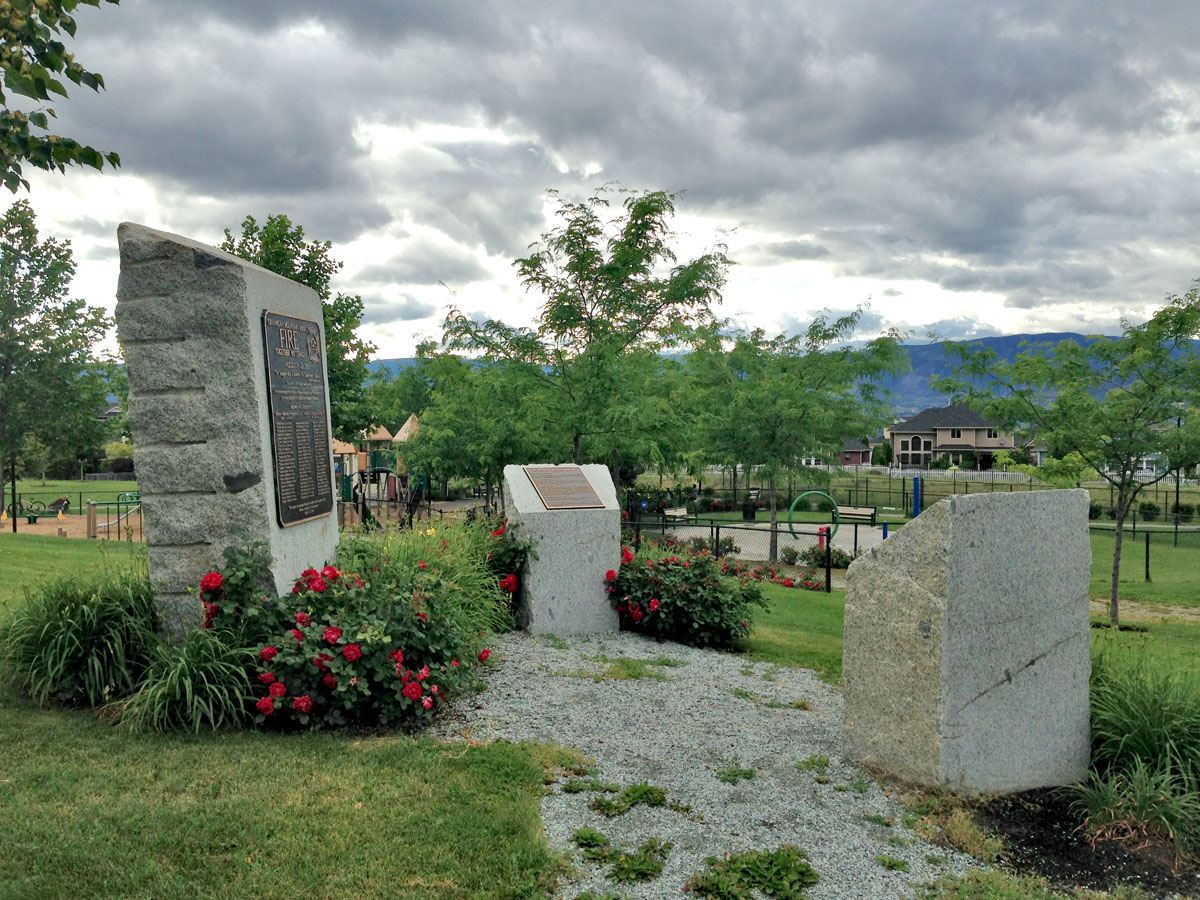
(749,509)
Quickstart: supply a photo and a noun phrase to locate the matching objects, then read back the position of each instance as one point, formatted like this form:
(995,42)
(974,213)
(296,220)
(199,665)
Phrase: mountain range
(910,392)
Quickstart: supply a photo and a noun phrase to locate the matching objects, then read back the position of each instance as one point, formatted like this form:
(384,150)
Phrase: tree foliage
(771,401)
(281,247)
(614,296)
(1108,403)
(30,59)
(51,386)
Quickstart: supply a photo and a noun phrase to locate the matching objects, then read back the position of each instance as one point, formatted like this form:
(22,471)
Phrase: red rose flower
(352,652)
(332,634)
(421,564)
(610,575)
(509,583)
(303,619)
(423,674)
(303,704)
(397,655)
(297,587)
(266,706)
(653,604)
(358,582)
(278,689)
(298,635)
(422,617)
(330,681)
(412,690)
(484,654)
(626,555)
(620,609)
(309,573)
(454,662)
(427,702)
(499,531)
(787,582)
(268,653)
(321,661)
(211,582)
(317,583)
(331,573)
(433,689)
(267,677)
(636,614)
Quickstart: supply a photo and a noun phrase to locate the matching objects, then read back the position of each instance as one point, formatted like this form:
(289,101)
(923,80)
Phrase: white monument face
(229,411)
(572,516)
(967,648)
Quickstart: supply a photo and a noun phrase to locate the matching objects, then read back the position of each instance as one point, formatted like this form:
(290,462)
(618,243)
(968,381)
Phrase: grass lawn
(92,811)
(1175,570)
(26,559)
(78,492)
(801,628)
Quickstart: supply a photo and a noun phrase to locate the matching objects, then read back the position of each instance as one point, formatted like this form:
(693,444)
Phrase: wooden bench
(861,515)
(675,514)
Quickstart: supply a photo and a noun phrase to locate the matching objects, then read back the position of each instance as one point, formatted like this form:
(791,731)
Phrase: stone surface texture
(189,321)
(966,653)
(562,591)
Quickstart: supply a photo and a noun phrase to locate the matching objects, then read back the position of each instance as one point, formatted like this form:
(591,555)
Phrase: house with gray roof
(950,432)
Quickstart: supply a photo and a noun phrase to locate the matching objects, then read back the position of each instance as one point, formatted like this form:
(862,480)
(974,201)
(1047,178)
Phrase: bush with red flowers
(682,596)
(805,579)
(507,552)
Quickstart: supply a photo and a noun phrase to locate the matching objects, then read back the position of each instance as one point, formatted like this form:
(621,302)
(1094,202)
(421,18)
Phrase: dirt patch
(75,526)
(1042,836)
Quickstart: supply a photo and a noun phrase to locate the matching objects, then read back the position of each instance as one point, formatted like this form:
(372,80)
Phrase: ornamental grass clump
(682,597)
(78,641)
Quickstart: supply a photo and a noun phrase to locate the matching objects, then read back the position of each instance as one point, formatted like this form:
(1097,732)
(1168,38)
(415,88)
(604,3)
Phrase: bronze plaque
(300,445)
(563,487)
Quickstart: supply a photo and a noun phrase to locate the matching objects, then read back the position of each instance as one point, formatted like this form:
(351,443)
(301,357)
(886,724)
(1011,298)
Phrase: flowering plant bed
(805,579)
(682,597)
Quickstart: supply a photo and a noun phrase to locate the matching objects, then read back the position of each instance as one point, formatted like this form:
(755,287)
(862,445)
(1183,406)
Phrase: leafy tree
(48,377)
(612,291)
(30,58)
(882,454)
(1105,405)
(33,458)
(480,419)
(281,247)
(394,399)
(772,401)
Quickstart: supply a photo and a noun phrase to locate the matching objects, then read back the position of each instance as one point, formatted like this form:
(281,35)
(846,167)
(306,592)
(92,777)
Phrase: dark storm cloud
(1042,152)
(379,311)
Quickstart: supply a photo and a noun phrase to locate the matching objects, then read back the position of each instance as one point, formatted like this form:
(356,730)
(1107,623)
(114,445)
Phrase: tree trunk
(576,456)
(774,553)
(1113,615)
(735,468)
(13,474)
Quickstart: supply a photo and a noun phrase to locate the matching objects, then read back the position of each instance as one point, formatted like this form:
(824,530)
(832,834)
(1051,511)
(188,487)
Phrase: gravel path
(712,710)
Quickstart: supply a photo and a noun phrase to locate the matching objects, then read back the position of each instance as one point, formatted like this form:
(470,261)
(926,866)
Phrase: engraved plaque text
(563,487)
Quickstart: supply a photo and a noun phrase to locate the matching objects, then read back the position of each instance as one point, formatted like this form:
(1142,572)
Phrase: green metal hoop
(837,519)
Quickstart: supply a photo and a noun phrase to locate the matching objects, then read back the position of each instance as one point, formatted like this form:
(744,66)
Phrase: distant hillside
(910,393)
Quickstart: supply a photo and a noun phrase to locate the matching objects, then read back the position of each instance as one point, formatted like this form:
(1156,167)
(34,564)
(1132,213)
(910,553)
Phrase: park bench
(675,514)
(860,515)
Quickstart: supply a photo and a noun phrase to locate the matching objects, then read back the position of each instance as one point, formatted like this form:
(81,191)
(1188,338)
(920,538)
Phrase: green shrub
(202,682)
(80,641)
(1094,509)
(1149,510)
(789,556)
(1185,511)
(683,598)
(814,557)
(723,547)
(384,637)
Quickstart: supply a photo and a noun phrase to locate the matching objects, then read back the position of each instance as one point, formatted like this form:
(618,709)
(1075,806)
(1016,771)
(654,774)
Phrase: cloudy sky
(966,168)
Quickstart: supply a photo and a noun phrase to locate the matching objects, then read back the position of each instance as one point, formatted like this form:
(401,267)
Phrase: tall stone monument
(966,653)
(572,516)
(229,411)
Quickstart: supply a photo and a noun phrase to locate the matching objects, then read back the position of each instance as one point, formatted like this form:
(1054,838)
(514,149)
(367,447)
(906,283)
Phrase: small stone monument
(966,653)
(229,410)
(571,515)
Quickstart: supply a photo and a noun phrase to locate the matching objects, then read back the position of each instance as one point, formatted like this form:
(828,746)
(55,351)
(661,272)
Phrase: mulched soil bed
(1040,836)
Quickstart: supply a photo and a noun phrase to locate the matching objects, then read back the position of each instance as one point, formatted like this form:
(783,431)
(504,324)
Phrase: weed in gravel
(877,819)
(553,640)
(625,668)
(896,841)
(592,895)
(748,671)
(644,864)
(818,763)
(578,786)
(963,832)
(642,792)
(733,773)
(860,784)
(995,884)
(936,859)
(944,819)
(782,874)
(892,863)
(771,674)
(795,704)
(743,694)
(593,844)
